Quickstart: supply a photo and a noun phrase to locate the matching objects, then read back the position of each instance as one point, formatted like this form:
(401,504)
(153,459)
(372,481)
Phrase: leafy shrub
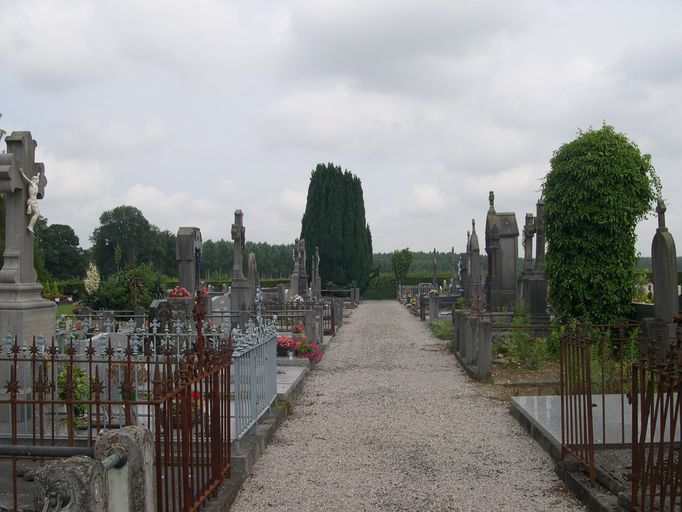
(129,288)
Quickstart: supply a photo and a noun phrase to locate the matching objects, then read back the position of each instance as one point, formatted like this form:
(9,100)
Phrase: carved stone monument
(664,267)
(302,271)
(239,291)
(22,310)
(317,280)
(501,245)
(464,267)
(188,253)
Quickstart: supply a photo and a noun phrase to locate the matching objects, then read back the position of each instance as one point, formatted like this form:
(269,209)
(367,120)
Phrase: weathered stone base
(23,312)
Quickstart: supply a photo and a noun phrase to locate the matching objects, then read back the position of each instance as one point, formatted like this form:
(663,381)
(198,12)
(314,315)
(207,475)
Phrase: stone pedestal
(239,296)
(25,313)
(534,289)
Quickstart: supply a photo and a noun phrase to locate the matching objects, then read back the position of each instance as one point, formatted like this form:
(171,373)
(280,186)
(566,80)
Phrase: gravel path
(389,421)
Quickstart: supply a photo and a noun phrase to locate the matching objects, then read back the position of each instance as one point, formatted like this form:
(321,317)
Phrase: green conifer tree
(334,221)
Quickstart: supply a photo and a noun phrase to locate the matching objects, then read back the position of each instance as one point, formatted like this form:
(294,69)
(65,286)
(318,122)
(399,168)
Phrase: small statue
(32,201)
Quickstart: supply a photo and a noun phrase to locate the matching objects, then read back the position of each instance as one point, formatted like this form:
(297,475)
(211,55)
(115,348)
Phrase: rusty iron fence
(597,388)
(62,392)
(657,423)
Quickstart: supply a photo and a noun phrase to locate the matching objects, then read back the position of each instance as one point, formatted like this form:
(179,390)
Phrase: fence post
(132,486)
(465,329)
(76,483)
(485,354)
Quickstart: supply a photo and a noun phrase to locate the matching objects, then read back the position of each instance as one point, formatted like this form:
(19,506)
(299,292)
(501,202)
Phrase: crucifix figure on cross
(32,201)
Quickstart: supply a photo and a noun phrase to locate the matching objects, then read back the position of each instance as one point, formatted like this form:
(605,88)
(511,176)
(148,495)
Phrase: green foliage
(128,288)
(400,263)
(334,221)
(125,238)
(382,287)
(442,329)
(422,261)
(58,246)
(599,187)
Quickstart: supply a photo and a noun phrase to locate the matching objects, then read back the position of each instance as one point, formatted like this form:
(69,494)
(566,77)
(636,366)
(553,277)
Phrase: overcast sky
(189,110)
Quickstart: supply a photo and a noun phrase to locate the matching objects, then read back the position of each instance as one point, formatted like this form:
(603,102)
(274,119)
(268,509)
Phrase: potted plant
(285,344)
(80,388)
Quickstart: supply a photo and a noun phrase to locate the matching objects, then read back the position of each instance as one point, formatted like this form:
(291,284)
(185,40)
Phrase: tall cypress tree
(334,220)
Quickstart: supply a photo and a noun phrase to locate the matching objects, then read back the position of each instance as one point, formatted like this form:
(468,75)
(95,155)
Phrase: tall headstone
(464,267)
(188,253)
(434,271)
(317,280)
(239,291)
(252,278)
(22,310)
(475,281)
(501,245)
(302,270)
(533,285)
(296,256)
(664,267)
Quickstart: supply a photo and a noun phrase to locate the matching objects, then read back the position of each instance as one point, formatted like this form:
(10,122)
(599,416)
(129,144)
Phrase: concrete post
(457,321)
(309,323)
(472,341)
(133,484)
(485,349)
(434,307)
(319,329)
(79,483)
(465,329)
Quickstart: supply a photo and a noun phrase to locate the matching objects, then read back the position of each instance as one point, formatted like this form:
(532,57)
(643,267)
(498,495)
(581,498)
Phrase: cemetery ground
(390,421)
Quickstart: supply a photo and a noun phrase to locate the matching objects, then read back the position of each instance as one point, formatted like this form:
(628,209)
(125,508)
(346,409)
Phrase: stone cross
(239,237)
(20,157)
(528,232)
(23,312)
(540,240)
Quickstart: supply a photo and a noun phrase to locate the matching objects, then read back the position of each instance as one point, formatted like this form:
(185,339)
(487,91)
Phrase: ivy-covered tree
(599,187)
(334,220)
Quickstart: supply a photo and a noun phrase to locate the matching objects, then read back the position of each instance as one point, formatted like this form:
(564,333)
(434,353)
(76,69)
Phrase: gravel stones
(387,423)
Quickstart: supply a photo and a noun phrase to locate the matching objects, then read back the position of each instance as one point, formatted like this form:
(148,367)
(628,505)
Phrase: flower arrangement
(297,300)
(298,328)
(285,342)
(305,349)
(203,291)
(76,309)
(179,291)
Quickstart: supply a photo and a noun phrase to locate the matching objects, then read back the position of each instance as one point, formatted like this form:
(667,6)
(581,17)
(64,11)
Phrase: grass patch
(442,329)
(64,309)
